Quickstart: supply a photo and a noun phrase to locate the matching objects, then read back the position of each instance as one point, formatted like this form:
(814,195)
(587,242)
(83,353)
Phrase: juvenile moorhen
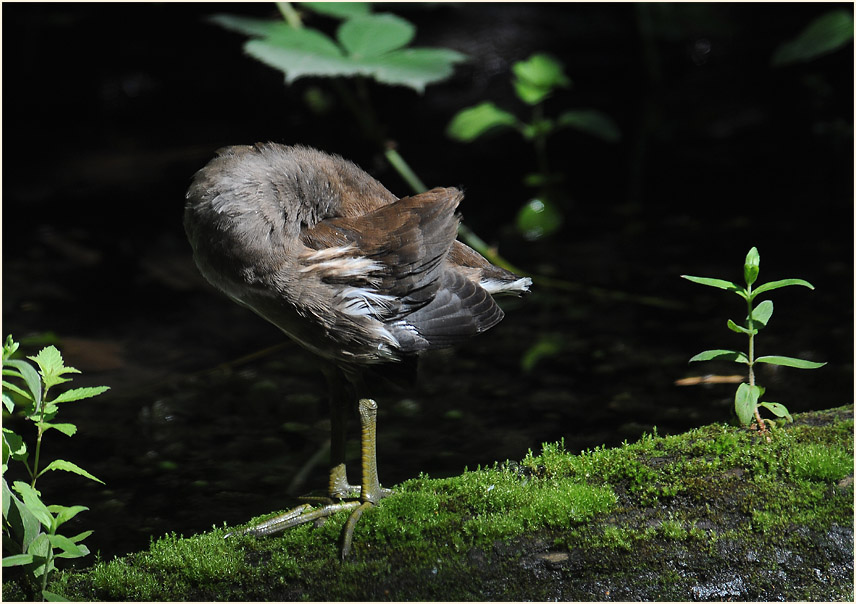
(359,277)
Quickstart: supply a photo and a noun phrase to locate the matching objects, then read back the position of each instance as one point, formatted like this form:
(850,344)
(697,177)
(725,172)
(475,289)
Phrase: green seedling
(747,401)
(30,527)
(535,80)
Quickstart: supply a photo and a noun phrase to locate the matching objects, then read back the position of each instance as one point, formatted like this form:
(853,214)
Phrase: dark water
(108,111)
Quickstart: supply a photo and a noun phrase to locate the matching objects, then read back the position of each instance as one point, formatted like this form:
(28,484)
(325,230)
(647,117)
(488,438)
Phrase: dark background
(109,109)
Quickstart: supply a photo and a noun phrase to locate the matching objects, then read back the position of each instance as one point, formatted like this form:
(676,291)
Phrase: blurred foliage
(535,80)
(824,35)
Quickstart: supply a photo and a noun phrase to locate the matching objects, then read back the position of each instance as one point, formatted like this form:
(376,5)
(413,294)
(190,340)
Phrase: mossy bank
(716,513)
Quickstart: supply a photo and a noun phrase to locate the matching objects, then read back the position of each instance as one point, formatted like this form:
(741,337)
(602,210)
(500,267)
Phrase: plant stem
(289,14)
(751,324)
(403,169)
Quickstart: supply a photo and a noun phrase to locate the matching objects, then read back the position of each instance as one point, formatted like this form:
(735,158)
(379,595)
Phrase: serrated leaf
(373,35)
(591,121)
(33,502)
(745,401)
(781,283)
(825,34)
(257,28)
(67,466)
(778,410)
(719,283)
(31,379)
(720,355)
(739,328)
(341,10)
(51,366)
(413,67)
(76,394)
(470,123)
(17,560)
(761,314)
(789,362)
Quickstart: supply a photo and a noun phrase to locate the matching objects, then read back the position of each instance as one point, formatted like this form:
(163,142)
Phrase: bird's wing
(395,256)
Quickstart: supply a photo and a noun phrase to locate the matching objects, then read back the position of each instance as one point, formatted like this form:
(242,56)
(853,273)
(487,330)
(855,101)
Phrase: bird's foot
(305,513)
(296,516)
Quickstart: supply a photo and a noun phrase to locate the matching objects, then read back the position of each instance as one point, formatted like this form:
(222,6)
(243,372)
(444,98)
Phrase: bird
(359,277)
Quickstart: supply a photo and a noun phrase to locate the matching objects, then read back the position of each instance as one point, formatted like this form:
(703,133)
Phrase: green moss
(821,462)
(714,496)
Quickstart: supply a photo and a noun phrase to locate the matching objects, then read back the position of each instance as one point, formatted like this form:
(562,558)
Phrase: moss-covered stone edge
(718,508)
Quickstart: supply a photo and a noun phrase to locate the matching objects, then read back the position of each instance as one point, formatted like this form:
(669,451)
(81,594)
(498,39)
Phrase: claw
(366,495)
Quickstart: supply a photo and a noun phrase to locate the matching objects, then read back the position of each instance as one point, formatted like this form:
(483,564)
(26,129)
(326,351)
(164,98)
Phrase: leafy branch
(30,527)
(747,399)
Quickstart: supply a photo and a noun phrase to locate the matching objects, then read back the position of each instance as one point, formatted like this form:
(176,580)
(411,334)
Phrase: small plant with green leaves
(747,401)
(30,527)
(535,80)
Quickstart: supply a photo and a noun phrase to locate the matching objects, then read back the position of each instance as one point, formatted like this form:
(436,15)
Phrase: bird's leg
(371,492)
(339,487)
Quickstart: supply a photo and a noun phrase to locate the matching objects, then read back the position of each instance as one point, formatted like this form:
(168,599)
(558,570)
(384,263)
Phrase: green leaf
(761,314)
(40,548)
(51,366)
(30,377)
(256,28)
(781,283)
(50,596)
(413,67)
(8,403)
(304,55)
(720,283)
(80,536)
(470,123)
(745,402)
(789,362)
(591,121)
(68,548)
(341,10)
(537,77)
(740,329)
(545,347)
(778,410)
(751,266)
(374,35)
(33,503)
(67,429)
(76,394)
(21,522)
(9,347)
(16,446)
(67,466)
(538,218)
(17,560)
(824,35)
(721,355)
(65,513)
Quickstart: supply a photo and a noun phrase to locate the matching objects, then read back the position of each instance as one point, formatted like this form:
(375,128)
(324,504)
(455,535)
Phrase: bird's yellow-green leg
(370,491)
